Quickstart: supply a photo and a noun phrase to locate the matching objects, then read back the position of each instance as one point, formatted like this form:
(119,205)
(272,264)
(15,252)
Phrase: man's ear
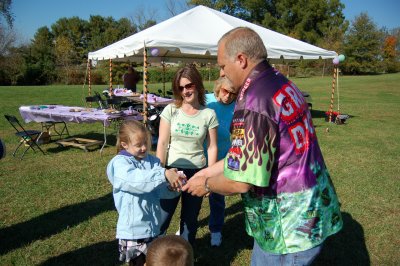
(242,59)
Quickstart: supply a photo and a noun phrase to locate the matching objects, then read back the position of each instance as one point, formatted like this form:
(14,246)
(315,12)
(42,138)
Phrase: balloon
(335,61)
(154,52)
(341,58)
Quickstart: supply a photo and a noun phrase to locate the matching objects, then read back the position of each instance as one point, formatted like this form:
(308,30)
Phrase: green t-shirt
(188,133)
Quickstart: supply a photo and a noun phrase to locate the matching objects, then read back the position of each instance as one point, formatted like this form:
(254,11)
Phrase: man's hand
(195,185)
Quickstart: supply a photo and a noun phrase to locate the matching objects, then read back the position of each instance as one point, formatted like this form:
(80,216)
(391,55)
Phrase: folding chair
(28,137)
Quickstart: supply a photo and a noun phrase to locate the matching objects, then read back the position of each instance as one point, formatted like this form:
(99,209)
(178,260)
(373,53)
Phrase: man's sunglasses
(187,86)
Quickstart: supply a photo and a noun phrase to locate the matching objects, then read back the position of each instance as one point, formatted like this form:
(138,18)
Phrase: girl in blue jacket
(139,182)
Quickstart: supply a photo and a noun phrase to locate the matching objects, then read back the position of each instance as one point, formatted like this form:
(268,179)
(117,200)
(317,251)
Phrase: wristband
(206,187)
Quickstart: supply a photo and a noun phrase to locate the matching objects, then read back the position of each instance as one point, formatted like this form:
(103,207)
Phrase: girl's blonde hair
(129,129)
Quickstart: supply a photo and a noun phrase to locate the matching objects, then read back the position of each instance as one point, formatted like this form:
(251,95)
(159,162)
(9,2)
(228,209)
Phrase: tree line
(59,54)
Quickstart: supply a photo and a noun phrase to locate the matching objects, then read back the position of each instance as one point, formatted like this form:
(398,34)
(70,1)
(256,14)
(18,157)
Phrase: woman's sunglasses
(225,92)
(187,86)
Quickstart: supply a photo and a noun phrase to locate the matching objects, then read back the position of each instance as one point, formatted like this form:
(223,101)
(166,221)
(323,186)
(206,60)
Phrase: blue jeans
(189,211)
(217,212)
(261,257)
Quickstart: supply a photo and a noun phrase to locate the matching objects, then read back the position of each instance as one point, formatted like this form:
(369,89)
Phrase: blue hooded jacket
(138,186)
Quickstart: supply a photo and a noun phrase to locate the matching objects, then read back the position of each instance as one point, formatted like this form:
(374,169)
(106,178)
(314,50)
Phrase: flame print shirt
(292,205)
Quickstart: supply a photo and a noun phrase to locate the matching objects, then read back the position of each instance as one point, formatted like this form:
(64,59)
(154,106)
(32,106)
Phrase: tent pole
(333,92)
(89,80)
(145,84)
(163,77)
(111,89)
(337,88)
(209,74)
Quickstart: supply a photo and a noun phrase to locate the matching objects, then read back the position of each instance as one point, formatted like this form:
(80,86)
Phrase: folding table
(61,113)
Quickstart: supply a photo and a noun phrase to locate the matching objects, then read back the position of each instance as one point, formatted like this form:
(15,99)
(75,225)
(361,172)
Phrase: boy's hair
(170,250)
(129,129)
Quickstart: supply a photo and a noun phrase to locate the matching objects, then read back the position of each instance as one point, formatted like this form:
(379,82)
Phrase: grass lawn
(56,209)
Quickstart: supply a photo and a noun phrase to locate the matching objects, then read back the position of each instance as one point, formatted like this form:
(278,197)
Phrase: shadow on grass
(322,114)
(231,210)
(52,223)
(317,114)
(102,253)
(111,141)
(346,247)
(235,239)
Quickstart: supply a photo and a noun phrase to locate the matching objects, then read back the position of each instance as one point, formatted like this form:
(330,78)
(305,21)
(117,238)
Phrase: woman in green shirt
(184,126)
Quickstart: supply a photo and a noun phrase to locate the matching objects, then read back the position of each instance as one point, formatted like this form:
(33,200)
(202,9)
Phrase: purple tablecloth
(124,92)
(60,113)
(151,98)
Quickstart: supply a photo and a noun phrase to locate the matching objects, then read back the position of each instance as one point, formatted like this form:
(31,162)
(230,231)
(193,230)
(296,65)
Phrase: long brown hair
(130,128)
(191,73)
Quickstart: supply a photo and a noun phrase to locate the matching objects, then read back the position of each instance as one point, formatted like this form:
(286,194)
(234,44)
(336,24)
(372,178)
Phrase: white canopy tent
(194,34)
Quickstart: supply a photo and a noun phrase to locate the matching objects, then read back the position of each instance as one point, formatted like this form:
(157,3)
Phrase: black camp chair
(118,102)
(27,137)
(95,99)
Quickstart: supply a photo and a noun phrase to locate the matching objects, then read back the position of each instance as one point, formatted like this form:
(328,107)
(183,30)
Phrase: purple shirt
(292,205)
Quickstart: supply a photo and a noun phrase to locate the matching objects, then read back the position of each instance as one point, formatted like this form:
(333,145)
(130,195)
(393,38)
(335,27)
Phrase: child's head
(170,250)
(134,138)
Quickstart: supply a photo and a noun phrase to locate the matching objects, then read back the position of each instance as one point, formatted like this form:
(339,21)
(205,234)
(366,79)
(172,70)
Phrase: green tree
(40,61)
(64,52)
(75,29)
(313,21)
(307,20)
(362,47)
(104,31)
(13,66)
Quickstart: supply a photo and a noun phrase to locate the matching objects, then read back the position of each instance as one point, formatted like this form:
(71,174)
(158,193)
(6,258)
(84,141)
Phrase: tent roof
(195,34)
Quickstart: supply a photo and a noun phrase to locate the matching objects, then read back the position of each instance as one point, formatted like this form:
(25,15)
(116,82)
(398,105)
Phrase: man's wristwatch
(206,187)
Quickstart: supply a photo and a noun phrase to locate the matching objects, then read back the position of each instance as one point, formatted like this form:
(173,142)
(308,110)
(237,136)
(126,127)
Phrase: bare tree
(5,10)
(144,18)
(175,7)
(7,40)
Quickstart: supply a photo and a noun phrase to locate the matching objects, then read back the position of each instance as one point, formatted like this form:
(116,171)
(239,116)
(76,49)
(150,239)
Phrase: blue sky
(33,14)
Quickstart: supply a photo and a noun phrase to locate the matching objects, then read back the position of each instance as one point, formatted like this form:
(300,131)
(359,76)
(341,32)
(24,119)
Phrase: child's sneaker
(216,239)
